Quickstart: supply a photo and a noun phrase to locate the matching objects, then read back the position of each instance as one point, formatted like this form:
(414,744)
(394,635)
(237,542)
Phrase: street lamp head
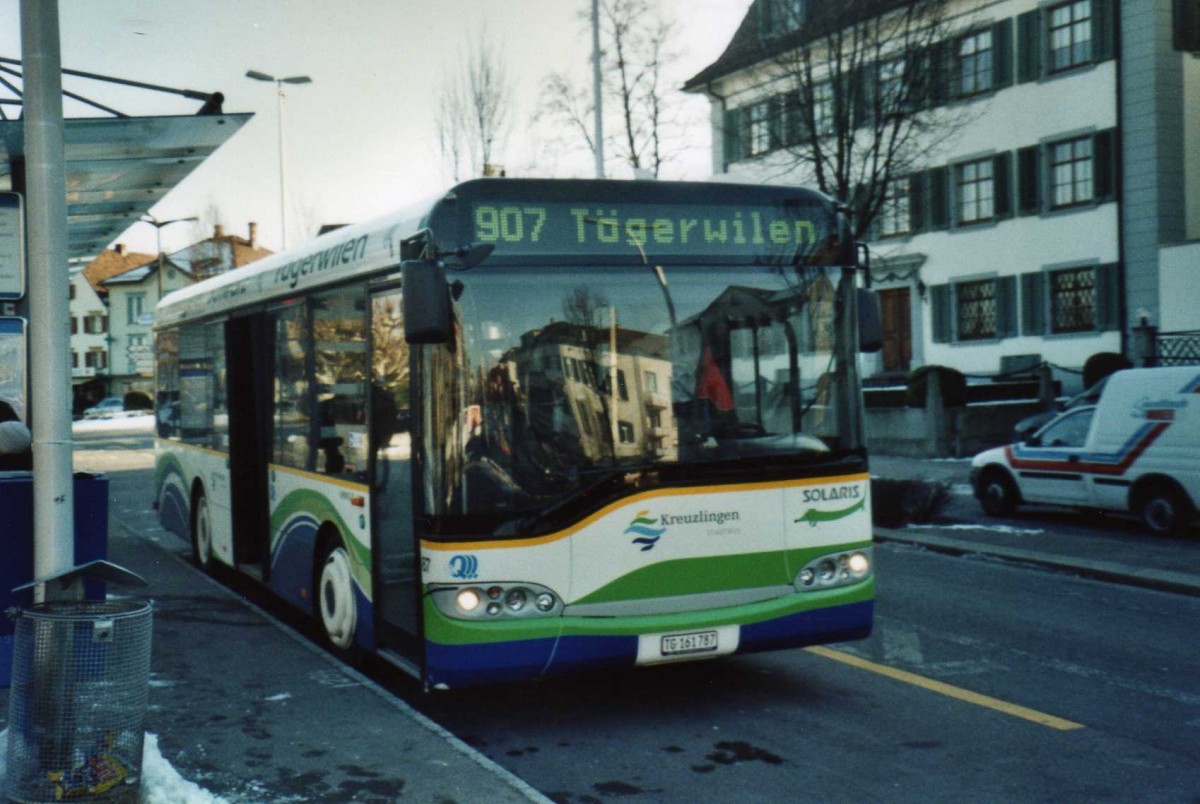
(291,79)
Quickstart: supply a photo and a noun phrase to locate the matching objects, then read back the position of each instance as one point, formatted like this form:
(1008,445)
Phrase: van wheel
(998,494)
(336,606)
(1165,512)
(202,532)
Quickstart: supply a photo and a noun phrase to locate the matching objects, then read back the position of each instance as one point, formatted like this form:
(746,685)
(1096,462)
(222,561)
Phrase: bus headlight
(498,601)
(833,570)
(467,600)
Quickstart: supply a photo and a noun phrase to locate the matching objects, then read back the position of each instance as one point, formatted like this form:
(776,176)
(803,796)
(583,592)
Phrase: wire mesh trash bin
(77,706)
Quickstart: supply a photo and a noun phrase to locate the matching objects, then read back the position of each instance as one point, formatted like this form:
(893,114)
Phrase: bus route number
(509,224)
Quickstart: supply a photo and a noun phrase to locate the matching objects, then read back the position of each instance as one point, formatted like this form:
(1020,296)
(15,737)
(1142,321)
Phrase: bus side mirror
(870,322)
(427,316)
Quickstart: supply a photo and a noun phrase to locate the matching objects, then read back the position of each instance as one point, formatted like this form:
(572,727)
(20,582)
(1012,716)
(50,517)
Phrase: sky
(360,140)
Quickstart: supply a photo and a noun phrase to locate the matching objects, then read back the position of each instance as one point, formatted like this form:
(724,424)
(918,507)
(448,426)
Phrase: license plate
(682,646)
(697,642)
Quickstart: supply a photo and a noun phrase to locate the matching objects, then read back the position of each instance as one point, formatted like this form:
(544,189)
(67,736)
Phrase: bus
(536,426)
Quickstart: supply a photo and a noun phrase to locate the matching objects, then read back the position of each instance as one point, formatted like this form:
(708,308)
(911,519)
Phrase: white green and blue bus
(538,426)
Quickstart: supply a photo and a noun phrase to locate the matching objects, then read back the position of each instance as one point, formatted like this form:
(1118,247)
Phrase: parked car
(1035,421)
(1134,450)
(106,408)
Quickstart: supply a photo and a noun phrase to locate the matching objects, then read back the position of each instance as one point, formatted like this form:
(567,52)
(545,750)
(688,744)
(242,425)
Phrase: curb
(1160,580)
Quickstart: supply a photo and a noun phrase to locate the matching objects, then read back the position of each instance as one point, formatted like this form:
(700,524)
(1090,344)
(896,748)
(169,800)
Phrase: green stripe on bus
(317,505)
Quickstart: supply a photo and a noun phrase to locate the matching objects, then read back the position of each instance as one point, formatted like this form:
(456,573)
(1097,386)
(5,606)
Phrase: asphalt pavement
(251,711)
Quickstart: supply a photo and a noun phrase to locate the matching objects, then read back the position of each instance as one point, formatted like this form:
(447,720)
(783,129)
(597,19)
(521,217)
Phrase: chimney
(253,234)
(119,248)
(218,231)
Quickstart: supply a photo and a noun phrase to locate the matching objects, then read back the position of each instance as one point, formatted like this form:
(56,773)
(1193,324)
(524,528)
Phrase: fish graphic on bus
(643,527)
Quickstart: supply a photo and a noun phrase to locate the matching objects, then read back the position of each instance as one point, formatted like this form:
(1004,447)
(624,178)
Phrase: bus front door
(398,577)
(248,355)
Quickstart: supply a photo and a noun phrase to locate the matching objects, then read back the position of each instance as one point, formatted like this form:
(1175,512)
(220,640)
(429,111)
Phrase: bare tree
(472,115)
(637,40)
(861,83)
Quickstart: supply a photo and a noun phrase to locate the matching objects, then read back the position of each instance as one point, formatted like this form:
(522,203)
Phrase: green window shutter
(1029,46)
(775,118)
(1108,297)
(1002,173)
(733,136)
(856,89)
(1029,180)
(1002,60)
(1006,306)
(1106,167)
(939,198)
(942,310)
(916,202)
(1033,303)
(1104,30)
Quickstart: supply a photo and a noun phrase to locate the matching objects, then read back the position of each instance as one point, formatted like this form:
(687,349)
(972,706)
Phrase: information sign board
(12,247)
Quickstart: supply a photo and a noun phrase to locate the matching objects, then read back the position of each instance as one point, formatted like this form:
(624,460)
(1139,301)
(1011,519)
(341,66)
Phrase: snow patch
(161,783)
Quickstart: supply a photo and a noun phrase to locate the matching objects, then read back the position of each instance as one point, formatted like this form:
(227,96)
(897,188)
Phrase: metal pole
(50,388)
(597,95)
(282,179)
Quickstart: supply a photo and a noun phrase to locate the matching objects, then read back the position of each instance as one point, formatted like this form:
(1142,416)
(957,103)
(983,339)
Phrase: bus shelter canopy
(118,168)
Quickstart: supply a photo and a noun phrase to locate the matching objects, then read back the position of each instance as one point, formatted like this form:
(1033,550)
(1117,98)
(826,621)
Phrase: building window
(134,303)
(822,108)
(975,63)
(650,379)
(622,388)
(760,128)
(895,218)
(976,191)
(891,85)
(976,309)
(74,325)
(1071,172)
(74,359)
(778,17)
(625,432)
(71,292)
(1073,300)
(1070,35)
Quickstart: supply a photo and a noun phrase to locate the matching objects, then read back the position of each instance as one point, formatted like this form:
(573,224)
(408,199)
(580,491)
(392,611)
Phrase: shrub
(954,386)
(896,503)
(1101,364)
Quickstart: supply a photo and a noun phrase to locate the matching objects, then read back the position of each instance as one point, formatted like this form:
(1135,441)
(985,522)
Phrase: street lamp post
(279,82)
(158,227)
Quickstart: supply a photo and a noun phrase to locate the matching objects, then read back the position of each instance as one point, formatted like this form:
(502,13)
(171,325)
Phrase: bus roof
(375,246)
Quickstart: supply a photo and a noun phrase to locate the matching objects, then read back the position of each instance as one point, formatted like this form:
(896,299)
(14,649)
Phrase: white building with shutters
(1065,210)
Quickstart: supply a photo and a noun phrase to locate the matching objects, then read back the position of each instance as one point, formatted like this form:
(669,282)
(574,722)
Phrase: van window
(1069,431)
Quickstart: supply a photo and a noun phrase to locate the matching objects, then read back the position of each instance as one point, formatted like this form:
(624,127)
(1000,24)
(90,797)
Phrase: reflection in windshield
(560,377)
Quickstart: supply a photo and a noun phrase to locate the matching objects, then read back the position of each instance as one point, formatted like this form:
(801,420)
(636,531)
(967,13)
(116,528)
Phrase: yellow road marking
(950,690)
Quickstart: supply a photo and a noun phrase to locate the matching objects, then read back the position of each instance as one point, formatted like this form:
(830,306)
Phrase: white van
(1137,449)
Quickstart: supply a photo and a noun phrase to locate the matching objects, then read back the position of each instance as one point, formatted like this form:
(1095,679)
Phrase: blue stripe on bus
(490,663)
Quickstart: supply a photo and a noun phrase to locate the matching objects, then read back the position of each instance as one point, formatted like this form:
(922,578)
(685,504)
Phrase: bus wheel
(998,494)
(202,532)
(1165,512)
(335,599)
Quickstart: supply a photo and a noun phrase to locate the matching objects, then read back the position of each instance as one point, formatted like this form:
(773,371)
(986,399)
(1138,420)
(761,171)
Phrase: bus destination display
(576,228)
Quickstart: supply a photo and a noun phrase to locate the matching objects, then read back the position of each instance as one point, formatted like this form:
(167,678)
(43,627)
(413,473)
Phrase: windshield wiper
(569,507)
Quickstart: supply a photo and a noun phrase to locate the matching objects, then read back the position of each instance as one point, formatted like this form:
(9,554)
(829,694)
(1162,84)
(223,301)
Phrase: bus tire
(202,531)
(337,610)
(997,493)
(1164,510)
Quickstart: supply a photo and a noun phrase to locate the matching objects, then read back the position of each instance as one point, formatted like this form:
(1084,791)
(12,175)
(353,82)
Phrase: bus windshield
(566,384)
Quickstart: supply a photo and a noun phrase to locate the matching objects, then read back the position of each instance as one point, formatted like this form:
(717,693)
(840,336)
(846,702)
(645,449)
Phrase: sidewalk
(1112,548)
(251,712)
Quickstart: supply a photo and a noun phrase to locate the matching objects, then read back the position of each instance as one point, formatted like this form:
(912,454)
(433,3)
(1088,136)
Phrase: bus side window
(340,376)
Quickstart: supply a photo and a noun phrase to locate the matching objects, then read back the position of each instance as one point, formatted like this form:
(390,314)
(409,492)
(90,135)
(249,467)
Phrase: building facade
(1055,206)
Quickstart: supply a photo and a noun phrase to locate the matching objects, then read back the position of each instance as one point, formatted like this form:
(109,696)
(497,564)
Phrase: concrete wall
(971,429)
